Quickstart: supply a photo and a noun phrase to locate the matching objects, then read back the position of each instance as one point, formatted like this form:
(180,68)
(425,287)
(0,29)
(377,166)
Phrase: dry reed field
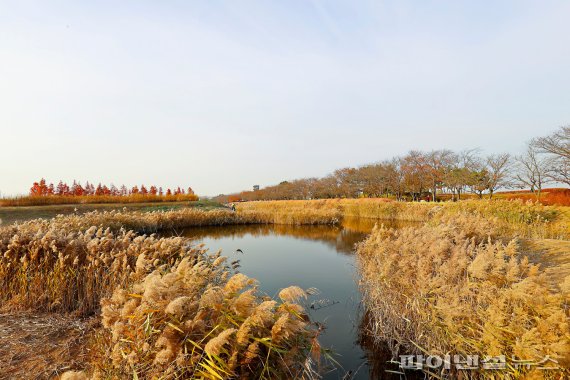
(465,278)
(457,287)
(169,307)
(93,199)
(513,217)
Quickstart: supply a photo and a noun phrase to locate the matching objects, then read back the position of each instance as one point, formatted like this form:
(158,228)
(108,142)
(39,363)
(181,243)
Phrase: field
(10,214)
(470,277)
(23,201)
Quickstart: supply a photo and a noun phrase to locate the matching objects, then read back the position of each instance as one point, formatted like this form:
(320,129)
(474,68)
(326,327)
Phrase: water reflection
(342,238)
(309,256)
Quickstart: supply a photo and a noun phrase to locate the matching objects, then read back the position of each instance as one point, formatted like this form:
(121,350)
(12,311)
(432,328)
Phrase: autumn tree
(460,174)
(416,173)
(498,166)
(395,177)
(77,189)
(438,163)
(39,188)
(479,181)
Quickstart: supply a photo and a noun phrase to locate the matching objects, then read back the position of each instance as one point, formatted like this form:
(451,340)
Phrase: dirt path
(41,346)
(552,255)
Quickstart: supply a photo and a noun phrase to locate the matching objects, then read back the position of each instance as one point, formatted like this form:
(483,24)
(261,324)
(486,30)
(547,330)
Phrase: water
(319,257)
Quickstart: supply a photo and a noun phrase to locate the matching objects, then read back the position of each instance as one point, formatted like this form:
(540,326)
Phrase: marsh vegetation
(465,278)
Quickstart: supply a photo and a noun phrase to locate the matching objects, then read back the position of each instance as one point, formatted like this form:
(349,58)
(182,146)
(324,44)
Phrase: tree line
(423,175)
(41,188)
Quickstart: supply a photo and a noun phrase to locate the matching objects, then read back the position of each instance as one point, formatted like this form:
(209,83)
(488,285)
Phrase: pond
(320,257)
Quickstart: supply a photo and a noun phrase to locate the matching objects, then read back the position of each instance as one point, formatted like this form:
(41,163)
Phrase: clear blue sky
(224,95)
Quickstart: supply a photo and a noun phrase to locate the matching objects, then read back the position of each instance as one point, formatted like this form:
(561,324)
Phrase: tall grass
(49,268)
(457,288)
(93,199)
(169,309)
(513,217)
(191,321)
(69,262)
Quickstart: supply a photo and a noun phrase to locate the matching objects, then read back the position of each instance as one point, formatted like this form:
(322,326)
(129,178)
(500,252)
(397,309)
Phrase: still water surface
(319,257)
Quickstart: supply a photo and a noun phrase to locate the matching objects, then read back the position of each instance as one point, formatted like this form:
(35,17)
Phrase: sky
(222,95)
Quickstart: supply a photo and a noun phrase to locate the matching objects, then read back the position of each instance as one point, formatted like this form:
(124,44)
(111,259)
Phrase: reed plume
(456,287)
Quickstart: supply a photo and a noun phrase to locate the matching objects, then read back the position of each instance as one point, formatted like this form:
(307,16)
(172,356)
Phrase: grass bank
(10,215)
(511,217)
(23,201)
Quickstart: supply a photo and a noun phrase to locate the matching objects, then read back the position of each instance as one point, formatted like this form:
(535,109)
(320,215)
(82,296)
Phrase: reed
(169,308)
(154,221)
(193,320)
(513,217)
(68,263)
(458,288)
(20,201)
(47,268)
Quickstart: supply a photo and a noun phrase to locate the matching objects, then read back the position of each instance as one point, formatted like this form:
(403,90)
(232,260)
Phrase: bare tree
(498,166)
(560,171)
(532,170)
(557,145)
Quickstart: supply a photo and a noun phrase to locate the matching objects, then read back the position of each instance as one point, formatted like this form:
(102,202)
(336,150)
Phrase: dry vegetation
(168,307)
(68,263)
(528,219)
(548,196)
(449,284)
(22,201)
(455,287)
(42,345)
(191,321)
